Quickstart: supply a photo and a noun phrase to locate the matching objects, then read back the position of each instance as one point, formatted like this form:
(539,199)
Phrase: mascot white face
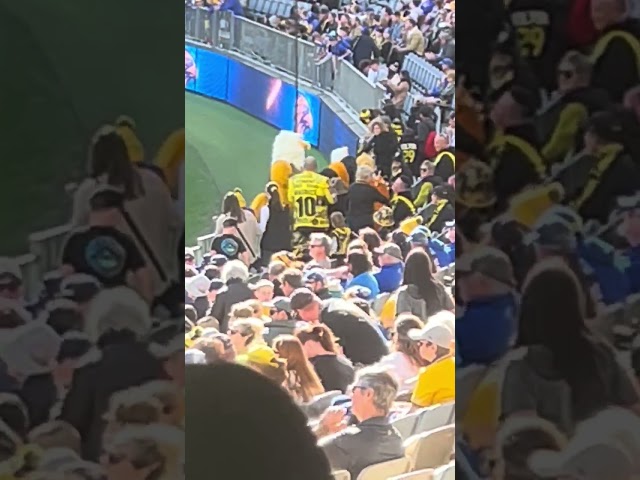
(289,147)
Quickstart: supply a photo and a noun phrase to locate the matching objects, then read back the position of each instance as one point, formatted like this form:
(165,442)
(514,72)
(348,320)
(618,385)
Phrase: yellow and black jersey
(397,128)
(310,198)
(445,164)
(409,153)
(342,237)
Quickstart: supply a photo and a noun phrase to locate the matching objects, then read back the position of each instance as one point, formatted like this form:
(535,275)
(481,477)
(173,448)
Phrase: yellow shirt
(309,197)
(436,384)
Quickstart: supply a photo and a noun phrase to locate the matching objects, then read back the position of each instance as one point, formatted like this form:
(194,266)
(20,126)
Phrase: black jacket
(364,48)
(236,291)
(361,340)
(277,234)
(359,446)
(122,366)
(361,200)
(616,66)
(384,146)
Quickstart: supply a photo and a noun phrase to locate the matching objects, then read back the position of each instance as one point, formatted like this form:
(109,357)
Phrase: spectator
(360,269)
(235,276)
(229,243)
(374,440)
(316,281)
(246,334)
(281,322)
(320,250)
(383,144)
(303,382)
(247,228)
(291,280)
(405,361)
(362,198)
(436,382)
(320,348)
(389,277)
(364,48)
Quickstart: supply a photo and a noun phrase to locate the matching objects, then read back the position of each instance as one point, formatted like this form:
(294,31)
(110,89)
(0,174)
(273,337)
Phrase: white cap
(10,266)
(198,286)
(443,317)
(338,154)
(436,333)
(194,356)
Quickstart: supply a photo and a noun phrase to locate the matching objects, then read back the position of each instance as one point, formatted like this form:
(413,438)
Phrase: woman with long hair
(405,360)
(248,228)
(147,201)
(304,383)
(275,225)
(361,271)
(320,348)
(422,294)
(563,356)
(401,90)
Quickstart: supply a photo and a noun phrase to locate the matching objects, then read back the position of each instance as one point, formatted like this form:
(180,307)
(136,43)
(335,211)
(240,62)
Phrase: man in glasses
(373,440)
(282,322)
(560,123)
(422,189)
(320,250)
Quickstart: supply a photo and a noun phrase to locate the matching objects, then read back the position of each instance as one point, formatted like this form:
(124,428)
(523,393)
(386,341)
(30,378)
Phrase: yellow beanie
(364,159)
(529,205)
(238,194)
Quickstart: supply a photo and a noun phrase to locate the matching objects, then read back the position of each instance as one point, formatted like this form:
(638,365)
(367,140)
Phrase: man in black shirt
(103,251)
(228,243)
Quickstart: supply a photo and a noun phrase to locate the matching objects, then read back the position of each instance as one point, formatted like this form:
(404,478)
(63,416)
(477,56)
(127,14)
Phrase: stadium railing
(281,51)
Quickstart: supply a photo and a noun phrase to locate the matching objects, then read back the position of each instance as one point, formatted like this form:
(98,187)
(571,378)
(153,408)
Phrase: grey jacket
(359,446)
(409,301)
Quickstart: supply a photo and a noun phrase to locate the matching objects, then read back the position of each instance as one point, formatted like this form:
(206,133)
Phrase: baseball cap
(436,333)
(358,291)
(263,282)
(193,356)
(302,298)
(606,125)
(80,287)
(446,62)
(390,249)
(280,303)
(188,253)
(587,461)
(230,222)
(216,285)
(259,355)
(315,275)
(106,197)
(10,274)
(444,191)
(218,260)
(198,286)
(420,235)
(487,261)
(553,232)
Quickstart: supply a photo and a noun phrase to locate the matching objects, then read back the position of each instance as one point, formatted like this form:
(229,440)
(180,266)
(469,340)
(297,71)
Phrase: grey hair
(364,174)
(384,386)
(322,238)
(235,269)
(580,62)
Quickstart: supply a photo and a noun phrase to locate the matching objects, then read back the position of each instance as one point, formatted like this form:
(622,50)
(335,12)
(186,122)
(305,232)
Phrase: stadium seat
(435,417)
(406,425)
(379,302)
(426,474)
(467,379)
(445,472)
(382,471)
(320,403)
(341,475)
(430,449)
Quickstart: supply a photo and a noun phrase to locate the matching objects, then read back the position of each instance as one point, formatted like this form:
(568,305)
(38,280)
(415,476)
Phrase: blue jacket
(390,277)
(232,6)
(440,251)
(366,280)
(486,329)
(608,269)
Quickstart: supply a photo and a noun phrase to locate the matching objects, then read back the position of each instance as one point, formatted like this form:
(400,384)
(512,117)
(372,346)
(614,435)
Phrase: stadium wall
(270,96)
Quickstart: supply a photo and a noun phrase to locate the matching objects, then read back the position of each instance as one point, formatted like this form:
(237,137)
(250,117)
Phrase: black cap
(106,198)
(606,125)
(444,191)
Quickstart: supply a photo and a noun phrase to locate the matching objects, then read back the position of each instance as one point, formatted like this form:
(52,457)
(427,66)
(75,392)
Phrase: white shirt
(400,366)
(264,218)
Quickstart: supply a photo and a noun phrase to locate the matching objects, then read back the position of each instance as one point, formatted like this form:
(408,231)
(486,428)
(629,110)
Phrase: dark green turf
(225,148)
(68,67)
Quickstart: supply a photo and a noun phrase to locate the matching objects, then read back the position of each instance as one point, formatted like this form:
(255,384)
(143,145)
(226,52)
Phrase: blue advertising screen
(274,101)
(335,133)
(212,75)
(190,67)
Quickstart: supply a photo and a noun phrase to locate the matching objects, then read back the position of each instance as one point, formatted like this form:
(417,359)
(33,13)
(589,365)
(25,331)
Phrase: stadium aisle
(225,148)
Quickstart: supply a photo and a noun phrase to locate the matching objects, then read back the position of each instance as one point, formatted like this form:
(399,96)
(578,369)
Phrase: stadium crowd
(547,217)
(92,367)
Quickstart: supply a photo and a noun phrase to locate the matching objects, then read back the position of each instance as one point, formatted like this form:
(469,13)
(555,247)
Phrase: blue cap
(420,235)
(315,275)
(446,62)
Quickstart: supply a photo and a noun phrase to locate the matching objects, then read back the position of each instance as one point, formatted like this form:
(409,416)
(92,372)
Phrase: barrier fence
(283,52)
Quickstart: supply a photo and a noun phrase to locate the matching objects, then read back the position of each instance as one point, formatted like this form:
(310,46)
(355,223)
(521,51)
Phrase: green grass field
(225,148)
(69,67)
